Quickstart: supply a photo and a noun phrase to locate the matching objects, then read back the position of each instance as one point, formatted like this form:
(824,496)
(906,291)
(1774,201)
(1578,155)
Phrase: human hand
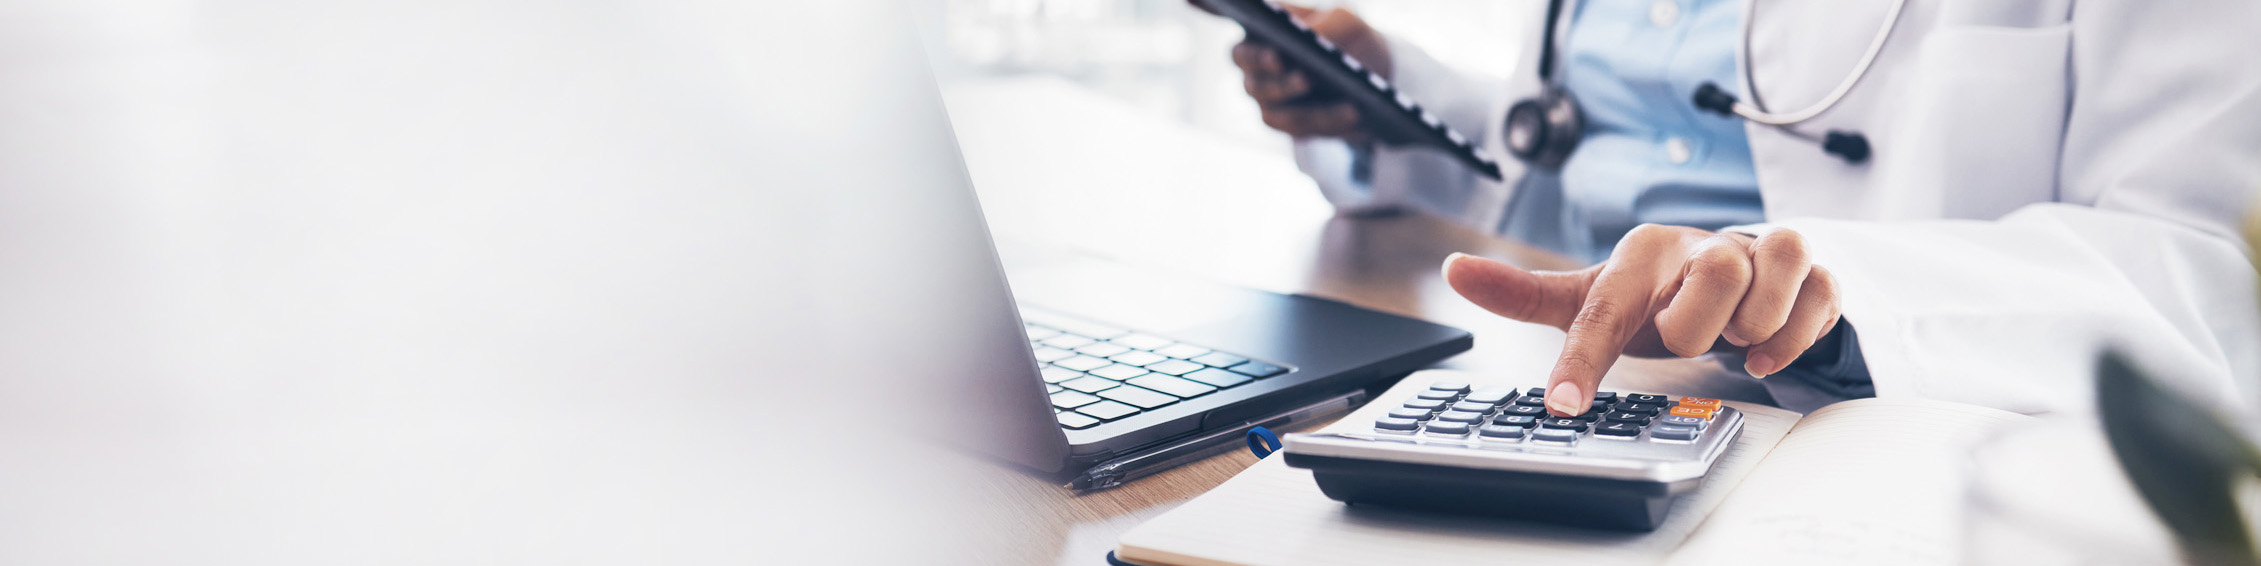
(1282,91)
(1664,291)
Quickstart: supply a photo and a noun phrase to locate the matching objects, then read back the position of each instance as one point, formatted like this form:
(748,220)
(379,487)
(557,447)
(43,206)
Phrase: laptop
(1068,365)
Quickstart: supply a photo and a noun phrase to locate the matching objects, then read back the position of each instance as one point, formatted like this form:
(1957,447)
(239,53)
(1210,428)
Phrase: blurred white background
(1170,59)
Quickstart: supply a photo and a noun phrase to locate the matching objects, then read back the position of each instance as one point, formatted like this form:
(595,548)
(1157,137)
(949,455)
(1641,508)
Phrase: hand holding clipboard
(1311,85)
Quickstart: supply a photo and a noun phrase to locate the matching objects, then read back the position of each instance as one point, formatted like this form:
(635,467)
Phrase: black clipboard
(1381,108)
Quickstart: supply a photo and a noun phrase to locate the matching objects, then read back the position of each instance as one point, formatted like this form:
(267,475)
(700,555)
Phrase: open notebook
(1871,481)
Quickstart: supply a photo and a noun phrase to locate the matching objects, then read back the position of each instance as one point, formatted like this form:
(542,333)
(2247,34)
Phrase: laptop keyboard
(1097,373)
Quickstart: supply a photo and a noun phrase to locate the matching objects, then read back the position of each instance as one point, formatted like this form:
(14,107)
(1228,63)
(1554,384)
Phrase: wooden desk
(1066,170)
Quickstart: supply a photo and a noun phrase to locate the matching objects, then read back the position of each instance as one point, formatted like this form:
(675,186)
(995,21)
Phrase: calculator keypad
(1501,415)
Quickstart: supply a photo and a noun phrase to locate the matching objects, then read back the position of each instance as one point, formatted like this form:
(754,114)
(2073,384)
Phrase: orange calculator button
(1697,412)
(1699,402)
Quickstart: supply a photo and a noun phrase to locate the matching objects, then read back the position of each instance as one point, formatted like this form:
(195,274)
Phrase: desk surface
(1063,169)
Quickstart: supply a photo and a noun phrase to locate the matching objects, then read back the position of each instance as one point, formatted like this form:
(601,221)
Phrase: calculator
(1496,451)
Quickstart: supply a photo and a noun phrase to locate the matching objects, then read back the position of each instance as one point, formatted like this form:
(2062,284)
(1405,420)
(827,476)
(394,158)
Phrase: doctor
(1997,189)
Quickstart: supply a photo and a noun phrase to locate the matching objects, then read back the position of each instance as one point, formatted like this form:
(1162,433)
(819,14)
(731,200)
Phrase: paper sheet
(1870,481)
(1274,514)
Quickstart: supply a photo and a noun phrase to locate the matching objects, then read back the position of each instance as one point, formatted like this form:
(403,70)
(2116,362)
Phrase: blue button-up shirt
(1649,156)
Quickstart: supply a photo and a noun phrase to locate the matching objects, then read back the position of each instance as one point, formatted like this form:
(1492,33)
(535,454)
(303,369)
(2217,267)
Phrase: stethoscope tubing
(1754,109)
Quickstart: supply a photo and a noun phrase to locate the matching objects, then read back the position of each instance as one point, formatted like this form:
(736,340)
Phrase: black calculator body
(1495,451)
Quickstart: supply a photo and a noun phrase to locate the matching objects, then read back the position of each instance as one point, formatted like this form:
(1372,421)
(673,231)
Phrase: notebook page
(1870,481)
(1274,514)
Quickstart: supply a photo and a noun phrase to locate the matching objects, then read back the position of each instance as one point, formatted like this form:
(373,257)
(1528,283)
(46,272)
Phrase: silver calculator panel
(1637,458)
(1499,429)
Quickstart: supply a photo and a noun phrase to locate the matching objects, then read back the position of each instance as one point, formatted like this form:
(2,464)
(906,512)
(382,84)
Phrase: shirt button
(1676,149)
(1664,13)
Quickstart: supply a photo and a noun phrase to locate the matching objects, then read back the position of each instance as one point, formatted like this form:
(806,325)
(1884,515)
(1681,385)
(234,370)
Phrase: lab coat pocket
(1985,119)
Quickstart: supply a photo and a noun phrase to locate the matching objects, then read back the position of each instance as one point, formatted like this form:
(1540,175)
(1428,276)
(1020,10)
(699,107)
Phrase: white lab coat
(2047,178)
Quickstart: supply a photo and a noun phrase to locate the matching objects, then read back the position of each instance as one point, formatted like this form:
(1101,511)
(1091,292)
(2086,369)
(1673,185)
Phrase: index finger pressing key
(1607,320)
(1613,311)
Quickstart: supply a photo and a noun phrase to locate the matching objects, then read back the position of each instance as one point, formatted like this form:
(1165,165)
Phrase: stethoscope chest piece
(1544,130)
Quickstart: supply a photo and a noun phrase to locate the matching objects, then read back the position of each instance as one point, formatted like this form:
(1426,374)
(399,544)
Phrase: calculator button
(1525,410)
(1438,395)
(1453,386)
(1461,417)
(1642,408)
(1605,396)
(1588,416)
(1691,422)
(1524,421)
(1564,436)
(1471,407)
(1431,405)
(1531,400)
(1501,432)
(1645,398)
(1535,392)
(1107,410)
(1698,402)
(1622,430)
(1490,396)
(1219,360)
(1697,412)
(1573,425)
(1050,389)
(1624,417)
(1258,369)
(1218,377)
(1409,413)
(1599,406)
(1441,428)
(1671,432)
(1396,424)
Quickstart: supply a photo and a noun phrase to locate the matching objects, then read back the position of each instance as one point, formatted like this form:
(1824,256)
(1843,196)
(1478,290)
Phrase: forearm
(2011,313)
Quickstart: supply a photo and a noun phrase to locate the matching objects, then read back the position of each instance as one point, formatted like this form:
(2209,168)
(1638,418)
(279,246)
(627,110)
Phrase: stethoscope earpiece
(1848,145)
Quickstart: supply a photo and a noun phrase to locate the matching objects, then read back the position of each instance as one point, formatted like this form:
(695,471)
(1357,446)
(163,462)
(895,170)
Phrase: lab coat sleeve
(1379,177)
(2161,158)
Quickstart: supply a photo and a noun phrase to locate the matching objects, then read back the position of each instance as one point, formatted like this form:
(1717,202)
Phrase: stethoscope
(1543,130)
